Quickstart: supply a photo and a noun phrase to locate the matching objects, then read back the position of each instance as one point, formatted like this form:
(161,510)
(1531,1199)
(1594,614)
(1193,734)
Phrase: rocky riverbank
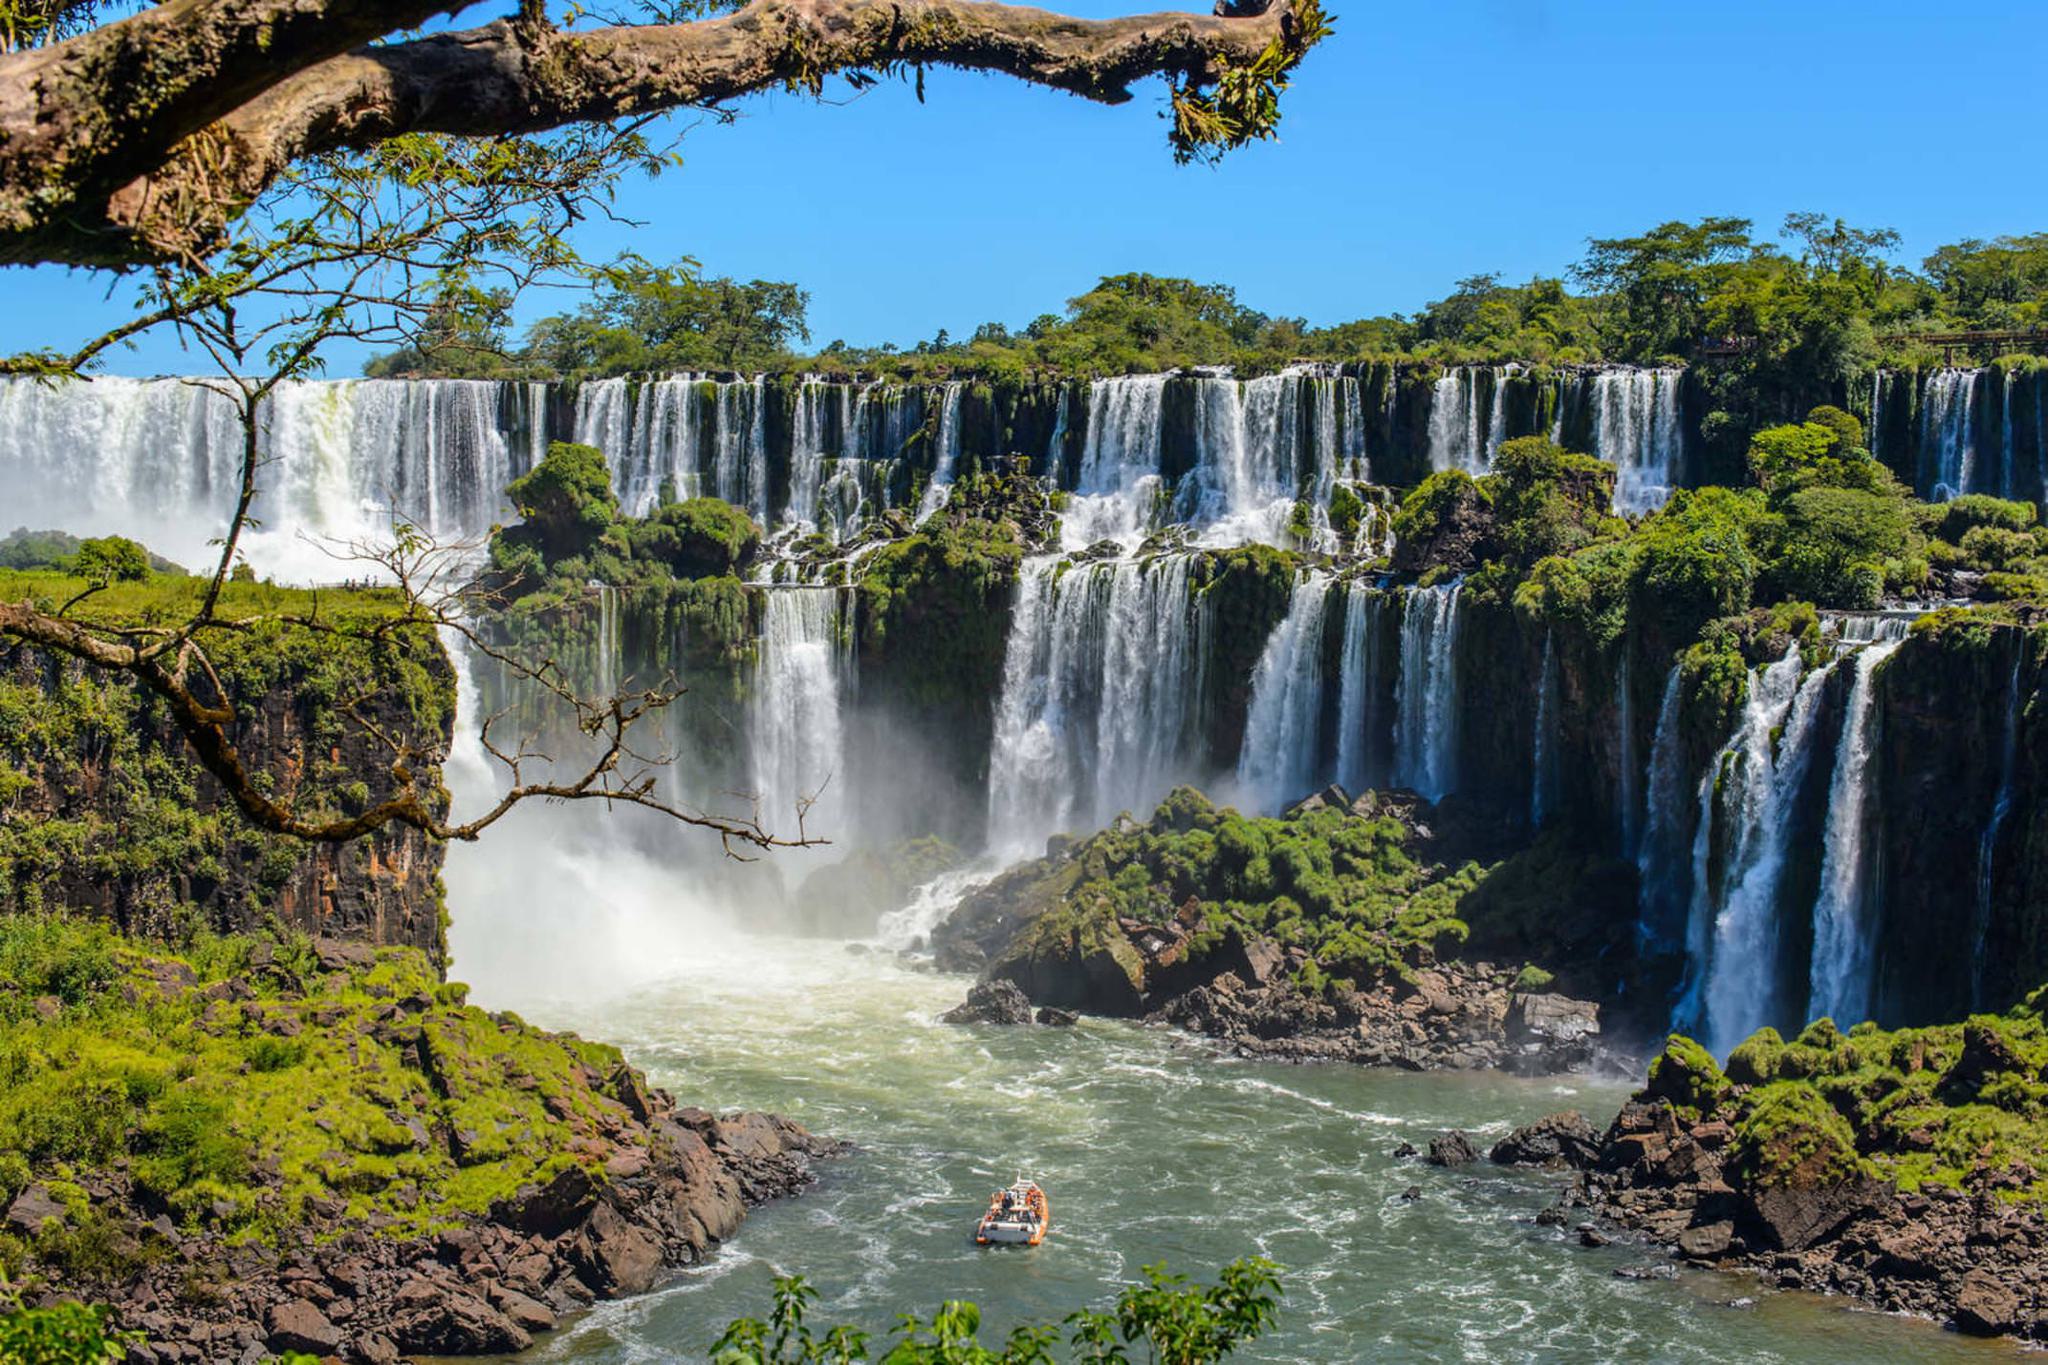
(259,1147)
(1328,934)
(1897,1168)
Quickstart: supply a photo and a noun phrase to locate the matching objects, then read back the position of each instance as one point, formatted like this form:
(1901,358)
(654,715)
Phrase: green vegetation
(573,533)
(1174,1321)
(1343,886)
(1958,1105)
(97,788)
(105,558)
(1787,319)
(246,1087)
(64,1333)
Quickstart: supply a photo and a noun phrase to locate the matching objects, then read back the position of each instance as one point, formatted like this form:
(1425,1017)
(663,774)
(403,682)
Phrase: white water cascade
(1661,853)
(1358,700)
(1425,728)
(1100,678)
(1839,975)
(1466,425)
(1544,777)
(1749,792)
(1948,433)
(160,460)
(1637,428)
(796,723)
(1277,764)
(1113,492)
(948,458)
(1987,844)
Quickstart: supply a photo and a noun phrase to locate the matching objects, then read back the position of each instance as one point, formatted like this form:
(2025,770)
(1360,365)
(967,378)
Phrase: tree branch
(127,198)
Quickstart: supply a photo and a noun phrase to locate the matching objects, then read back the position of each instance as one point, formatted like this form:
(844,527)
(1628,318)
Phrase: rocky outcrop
(667,1191)
(356,1163)
(1562,1141)
(1765,1173)
(991,1002)
(1452,1015)
(147,838)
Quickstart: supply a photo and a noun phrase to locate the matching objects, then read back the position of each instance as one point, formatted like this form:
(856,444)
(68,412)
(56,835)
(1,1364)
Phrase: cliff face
(103,810)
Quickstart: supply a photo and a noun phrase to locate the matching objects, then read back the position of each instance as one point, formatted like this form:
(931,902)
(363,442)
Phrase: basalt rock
(991,1002)
(1556,1141)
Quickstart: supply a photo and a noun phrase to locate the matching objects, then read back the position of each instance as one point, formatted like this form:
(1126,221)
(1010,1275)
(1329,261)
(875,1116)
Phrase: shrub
(1954,519)
(567,499)
(699,538)
(111,559)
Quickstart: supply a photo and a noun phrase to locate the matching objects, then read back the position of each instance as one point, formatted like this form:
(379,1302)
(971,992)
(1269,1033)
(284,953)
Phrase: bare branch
(78,185)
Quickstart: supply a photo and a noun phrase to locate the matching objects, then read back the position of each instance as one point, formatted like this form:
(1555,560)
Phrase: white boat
(1018,1216)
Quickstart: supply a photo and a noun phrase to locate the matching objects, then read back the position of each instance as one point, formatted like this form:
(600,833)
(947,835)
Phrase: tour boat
(1018,1216)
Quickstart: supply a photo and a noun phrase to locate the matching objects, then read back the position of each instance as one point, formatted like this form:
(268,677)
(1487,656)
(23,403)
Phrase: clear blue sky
(1424,142)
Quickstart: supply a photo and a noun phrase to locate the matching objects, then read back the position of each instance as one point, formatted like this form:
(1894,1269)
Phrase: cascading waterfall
(1112,498)
(1425,735)
(1757,782)
(1839,976)
(1948,432)
(796,723)
(948,451)
(1099,680)
(1629,797)
(1661,855)
(1358,702)
(608,667)
(1637,428)
(1455,440)
(809,449)
(1987,844)
(1278,762)
(160,460)
(1544,776)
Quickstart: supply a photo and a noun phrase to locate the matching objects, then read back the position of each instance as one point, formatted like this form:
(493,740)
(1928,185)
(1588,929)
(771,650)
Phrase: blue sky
(1424,142)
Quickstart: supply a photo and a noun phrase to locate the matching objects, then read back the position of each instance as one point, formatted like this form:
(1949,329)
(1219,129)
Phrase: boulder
(528,1314)
(991,1002)
(455,1324)
(1707,1242)
(1454,1148)
(1556,1141)
(615,1257)
(299,1326)
(31,1208)
(1056,1018)
(1987,1305)
(552,1209)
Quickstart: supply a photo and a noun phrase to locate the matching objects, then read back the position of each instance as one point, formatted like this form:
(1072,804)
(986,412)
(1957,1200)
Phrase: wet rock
(1557,1141)
(1646,1271)
(1708,1242)
(1986,1305)
(1057,1018)
(1454,1148)
(528,1314)
(991,1002)
(300,1326)
(1405,1152)
(615,1257)
(457,1324)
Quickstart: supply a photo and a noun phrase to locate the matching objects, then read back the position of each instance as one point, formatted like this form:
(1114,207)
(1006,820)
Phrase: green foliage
(235,1096)
(1340,885)
(1548,500)
(64,1333)
(1174,1321)
(1696,562)
(1684,1074)
(697,538)
(1831,545)
(1956,518)
(567,500)
(648,319)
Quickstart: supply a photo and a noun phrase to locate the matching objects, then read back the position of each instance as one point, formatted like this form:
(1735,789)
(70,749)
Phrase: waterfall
(1839,972)
(1358,703)
(948,457)
(1544,777)
(1112,497)
(609,667)
(1628,797)
(910,926)
(796,722)
(160,460)
(1661,854)
(1099,681)
(1277,764)
(1425,736)
(1757,782)
(808,439)
(1638,429)
(1948,433)
(1454,415)
(1987,844)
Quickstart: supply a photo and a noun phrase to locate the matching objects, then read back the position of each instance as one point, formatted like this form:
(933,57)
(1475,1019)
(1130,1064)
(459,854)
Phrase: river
(1153,1146)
